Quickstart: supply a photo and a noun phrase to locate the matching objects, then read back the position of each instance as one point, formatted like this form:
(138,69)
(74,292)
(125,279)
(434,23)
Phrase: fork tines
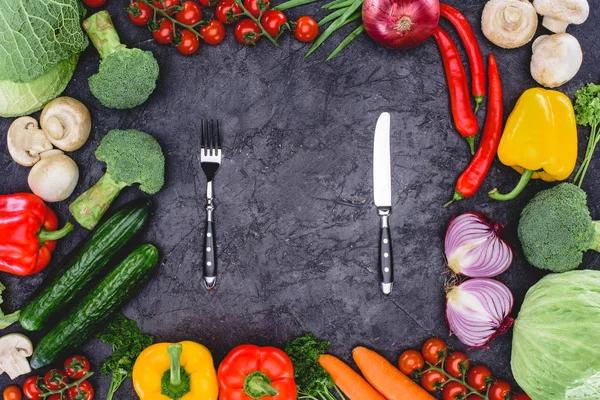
(210,140)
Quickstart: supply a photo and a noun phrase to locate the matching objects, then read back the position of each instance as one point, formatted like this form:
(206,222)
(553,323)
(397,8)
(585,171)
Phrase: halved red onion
(478,310)
(474,248)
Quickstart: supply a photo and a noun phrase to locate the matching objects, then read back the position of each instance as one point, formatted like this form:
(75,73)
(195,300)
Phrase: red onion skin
(400,24)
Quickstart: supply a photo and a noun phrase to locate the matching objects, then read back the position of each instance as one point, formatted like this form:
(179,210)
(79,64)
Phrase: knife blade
(382,194)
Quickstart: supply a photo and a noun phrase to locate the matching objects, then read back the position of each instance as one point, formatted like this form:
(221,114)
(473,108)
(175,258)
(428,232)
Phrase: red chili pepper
(251,372)
(473,176)
(28,232)
(473,51)
(464,117)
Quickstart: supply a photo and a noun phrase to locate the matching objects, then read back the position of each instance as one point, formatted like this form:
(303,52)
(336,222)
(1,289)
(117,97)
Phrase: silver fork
(210,160)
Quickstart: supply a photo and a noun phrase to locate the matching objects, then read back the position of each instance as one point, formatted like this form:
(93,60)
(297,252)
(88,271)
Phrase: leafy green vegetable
(587,112)
(6,320)
(127,343)
(312,381)
(24,98)
(556,228)
(555,353)
(36,35)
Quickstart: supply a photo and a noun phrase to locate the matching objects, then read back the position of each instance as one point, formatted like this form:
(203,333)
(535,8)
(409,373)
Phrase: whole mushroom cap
(558,14)
(54,177)
(26,141)
(67,123)
(556,59)
(509,23)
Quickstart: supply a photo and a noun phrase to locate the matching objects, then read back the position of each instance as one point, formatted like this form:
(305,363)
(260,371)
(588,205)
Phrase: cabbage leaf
(556,339)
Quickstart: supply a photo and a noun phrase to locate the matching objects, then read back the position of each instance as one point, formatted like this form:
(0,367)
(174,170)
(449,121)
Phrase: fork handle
(209,270)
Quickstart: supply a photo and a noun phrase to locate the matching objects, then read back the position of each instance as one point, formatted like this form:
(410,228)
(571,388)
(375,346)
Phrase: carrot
(350,382)
(386,378)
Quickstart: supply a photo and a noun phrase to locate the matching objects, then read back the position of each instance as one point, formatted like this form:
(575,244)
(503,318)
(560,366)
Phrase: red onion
(400,24)
(473,246)
(477,311)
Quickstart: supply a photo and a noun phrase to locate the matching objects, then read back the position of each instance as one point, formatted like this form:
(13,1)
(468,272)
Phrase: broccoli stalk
(131,157)
(126,77)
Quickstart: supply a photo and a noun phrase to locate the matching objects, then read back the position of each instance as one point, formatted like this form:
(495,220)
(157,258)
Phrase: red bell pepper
(27,233)
(250,372)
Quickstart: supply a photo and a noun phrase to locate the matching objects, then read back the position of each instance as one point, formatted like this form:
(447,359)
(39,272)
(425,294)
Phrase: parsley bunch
(587,112)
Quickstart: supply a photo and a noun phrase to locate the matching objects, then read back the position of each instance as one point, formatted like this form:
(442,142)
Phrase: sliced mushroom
(556,59)
(558,14)
(26,141)
(509,23)
(54,177)
(14,350)
(67,122)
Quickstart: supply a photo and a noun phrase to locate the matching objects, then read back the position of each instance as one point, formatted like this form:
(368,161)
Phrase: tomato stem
(462,381)
(67,387)
(257,21)
(165,14)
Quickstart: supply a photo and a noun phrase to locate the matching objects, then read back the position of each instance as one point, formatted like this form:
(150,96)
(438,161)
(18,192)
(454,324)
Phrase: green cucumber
(90,315)
(85,264)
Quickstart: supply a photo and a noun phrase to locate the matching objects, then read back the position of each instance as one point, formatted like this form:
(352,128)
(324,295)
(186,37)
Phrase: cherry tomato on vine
(254,6)
(56,379)
(139,13)
(227,10)
(190,15)
(478,376)
(474,397)
(208,3)
(53,397)
(499,391)
(410,361)
(272,21)
(166,5)
(94,3)
(434,350)
(76,367)
(164,33)
(457,364)
(31,387)
(83,391)
(247,32)
(454,391)
(520,396)
(189,43)
(307,29)
(431,379)
(12,393)
(214,32)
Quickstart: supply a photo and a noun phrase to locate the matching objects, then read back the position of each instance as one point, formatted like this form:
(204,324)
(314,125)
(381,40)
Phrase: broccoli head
(126,77)
(556,228)
(131,157)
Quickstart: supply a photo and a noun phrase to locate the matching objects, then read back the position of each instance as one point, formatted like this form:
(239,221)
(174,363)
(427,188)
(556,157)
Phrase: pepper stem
(516,191)
(45,236)
(174,351)
(457,197)
(471,142)
(176,381)
(258,385)
(478,100)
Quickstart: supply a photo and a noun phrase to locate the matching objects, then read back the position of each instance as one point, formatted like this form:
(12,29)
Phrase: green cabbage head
(18,99)
(556,339)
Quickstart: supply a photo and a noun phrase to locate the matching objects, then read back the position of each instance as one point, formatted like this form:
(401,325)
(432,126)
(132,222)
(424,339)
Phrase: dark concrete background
(296,224)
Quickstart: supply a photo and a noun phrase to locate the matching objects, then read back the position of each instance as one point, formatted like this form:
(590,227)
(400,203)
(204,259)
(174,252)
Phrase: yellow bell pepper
(179,371)
(539,139)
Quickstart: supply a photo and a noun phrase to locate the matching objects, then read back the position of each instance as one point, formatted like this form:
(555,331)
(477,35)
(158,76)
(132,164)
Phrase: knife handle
(386,271)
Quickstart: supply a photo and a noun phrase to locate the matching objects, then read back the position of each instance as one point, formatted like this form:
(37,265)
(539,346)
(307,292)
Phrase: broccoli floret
(127,77)
(556,228)
(131,157)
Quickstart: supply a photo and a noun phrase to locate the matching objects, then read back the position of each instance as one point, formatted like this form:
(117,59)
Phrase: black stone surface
(296,226)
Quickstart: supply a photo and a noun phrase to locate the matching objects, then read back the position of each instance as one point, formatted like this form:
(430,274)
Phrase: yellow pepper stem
(175,355)
(176,381)
(516,191)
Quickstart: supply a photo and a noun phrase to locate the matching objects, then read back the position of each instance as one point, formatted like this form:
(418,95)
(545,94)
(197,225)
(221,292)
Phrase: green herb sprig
(587,112)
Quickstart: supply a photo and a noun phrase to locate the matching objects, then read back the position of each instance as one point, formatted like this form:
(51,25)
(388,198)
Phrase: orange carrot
(350,382)
(386,378)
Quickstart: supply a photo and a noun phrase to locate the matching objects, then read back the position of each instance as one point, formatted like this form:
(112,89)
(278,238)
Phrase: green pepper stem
(258,385)
(471,142)
(174,351)
(516,191)
(102,33)
(457,197)
(45,236)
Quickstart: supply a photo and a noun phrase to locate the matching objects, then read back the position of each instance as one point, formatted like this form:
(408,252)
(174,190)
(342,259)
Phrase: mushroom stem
(554,25)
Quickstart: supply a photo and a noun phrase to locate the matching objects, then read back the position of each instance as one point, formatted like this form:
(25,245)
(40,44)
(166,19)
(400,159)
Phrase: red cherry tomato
(190,15)
(307,29)
(189,43)
(431,379)
(12,393)
(434,350)
(474,397)
(410,361)
(54,397)
(76,367)
(254,6)
(500,390)
(457,364)
(272,21)
(227,10)
(56,379)
(166,5)
(83,391)
(247,32)
(214,32)
(478,377)
(139,13)
(94,3)
(164,33)
(520,396)
(454,391)
(31,387)
(208,3)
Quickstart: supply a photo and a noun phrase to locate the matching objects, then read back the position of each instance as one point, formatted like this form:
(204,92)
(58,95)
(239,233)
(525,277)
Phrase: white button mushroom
(556,59)
(558,14)
(54,177)
(509,23)
(25,141)
(14,350)
(67,122)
